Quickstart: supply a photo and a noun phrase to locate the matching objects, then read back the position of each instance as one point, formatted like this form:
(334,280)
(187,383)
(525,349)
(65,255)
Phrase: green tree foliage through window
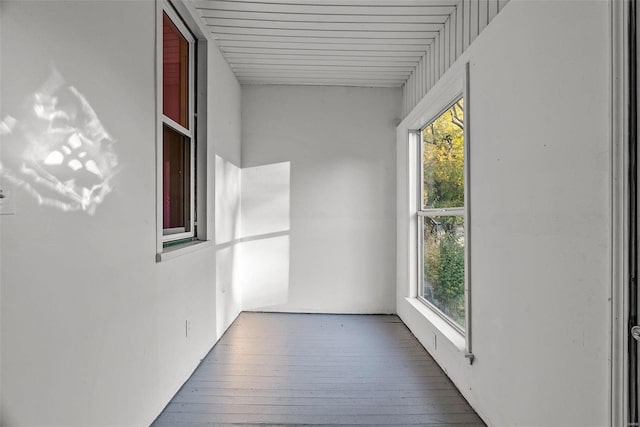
(443,157)
(443,235)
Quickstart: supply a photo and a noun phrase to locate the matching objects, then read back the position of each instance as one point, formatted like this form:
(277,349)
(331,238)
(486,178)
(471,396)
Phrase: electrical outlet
(7,200)
(435,341)
(187,328)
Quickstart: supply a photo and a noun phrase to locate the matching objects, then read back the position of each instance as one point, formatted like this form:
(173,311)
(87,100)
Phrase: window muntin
(178,144)
(441,215)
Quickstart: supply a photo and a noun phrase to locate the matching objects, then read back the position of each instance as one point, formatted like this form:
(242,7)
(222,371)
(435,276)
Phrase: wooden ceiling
(324,42)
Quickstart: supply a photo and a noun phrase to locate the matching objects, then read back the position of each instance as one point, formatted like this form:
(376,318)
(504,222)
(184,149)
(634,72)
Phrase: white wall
(227,207)
(1,115)
(224,116)
(540,218)
(318,201)
(93,329)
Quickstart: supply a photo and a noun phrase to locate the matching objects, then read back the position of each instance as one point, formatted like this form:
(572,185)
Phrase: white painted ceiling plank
(320,83)
(434,17)
(315,62)
(377,27)
(398,80)
(329,52)
(354,83)
(266,32)
(323,40)
(326,47)
(328,71)
(312,68)
(345,76)
(238,57)
(322,76)
(339,3)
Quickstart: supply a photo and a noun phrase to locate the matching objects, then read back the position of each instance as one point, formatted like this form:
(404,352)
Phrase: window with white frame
(178,130)
(441,215)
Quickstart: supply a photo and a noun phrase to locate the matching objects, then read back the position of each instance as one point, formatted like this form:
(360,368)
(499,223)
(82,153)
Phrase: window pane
(443,265)
(176,180)
(443,160)
(175,73)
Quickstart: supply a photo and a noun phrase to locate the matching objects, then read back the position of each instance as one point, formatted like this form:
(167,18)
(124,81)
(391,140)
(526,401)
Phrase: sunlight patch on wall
(265,223)
(266,194)
(57,149)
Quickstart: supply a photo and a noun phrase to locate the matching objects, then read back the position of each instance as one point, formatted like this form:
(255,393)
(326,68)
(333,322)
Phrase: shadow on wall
(57,150)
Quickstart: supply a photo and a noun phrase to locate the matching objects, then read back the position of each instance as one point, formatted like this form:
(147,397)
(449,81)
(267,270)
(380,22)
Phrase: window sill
(183,249)
(439,324)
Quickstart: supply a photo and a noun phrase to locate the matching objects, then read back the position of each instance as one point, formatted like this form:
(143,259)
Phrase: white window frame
(448,89)
(423,212)
(171,235)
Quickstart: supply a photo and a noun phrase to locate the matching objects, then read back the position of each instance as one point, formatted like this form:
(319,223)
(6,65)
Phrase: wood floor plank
(296,419)
(307,378)
(320,394)
(316,410)
(404,382)
(215,424)
(311,369)
(317,401)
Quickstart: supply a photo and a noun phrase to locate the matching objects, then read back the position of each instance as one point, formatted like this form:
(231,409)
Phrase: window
(441,215)
(178,136)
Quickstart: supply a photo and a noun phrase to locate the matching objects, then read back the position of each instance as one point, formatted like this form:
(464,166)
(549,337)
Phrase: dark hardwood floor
(318,369)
